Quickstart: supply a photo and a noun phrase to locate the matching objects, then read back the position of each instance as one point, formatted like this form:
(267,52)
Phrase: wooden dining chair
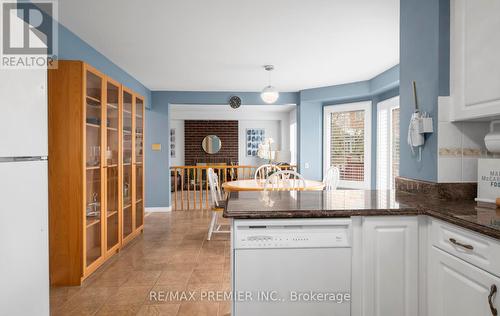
(218,203)
(332,178)
(264,171)
(286,180)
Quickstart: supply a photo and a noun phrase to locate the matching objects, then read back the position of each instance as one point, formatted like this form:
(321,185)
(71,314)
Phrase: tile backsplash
(460,145)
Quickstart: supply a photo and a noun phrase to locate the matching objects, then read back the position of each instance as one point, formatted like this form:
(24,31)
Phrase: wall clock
(235,102)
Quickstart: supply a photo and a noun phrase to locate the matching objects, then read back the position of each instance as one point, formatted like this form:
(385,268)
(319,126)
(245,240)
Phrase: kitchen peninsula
(409,254)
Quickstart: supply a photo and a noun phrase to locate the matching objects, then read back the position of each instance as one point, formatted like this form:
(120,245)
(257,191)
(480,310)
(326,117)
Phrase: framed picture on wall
(254,136)
(172,142)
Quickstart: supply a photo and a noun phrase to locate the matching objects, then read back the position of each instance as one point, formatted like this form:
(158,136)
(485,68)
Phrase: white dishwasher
(291,267)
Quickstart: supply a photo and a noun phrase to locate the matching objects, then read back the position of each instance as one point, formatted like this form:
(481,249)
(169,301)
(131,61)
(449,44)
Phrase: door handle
(493,291)
(455,242)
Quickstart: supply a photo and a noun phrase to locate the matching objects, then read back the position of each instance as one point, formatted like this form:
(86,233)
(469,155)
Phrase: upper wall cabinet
(475,62)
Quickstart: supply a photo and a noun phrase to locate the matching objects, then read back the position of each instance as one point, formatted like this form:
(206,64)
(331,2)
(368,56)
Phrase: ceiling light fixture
(269,94)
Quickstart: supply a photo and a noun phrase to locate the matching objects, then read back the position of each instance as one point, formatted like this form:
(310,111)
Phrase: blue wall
(158,126)
(71,47)
(310,115)
(310,124)
(424,57)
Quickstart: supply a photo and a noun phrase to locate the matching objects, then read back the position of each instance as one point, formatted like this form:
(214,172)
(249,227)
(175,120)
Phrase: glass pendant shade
(269,94)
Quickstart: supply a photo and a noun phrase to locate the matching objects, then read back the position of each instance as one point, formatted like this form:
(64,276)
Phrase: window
(347,134)
(293,137)
(387,143)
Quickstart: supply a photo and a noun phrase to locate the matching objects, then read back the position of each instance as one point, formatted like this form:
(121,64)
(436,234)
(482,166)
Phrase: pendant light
(269,94)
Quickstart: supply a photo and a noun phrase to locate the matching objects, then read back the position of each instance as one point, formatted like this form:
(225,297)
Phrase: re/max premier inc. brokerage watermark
(249,296)
(29,34)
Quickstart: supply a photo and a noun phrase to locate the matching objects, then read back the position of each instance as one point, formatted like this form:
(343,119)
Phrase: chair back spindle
(332,178)
(286,180)
(264,171)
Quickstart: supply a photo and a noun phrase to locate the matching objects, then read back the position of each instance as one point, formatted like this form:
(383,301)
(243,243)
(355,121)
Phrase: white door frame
(389,105)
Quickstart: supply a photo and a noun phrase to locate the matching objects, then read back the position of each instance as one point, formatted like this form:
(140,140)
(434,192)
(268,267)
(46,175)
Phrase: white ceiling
(220,45)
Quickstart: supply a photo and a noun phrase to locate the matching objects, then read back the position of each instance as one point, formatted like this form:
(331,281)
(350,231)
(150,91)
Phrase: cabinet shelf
(113,106)
(93,221)
(112,129)
(112,213)
(93,125)
(138,201)
(93,167)
(94,106)
(93,99)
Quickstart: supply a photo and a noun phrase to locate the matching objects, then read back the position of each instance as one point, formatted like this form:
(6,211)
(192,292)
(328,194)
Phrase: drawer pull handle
(455,242)
(493,291)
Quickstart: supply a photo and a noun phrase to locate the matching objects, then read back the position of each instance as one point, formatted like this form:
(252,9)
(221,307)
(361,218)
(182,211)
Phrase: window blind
(395,144)
(383,153)
(347,141)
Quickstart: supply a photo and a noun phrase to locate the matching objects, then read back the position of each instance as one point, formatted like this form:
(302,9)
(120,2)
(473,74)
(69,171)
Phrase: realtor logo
(29,34)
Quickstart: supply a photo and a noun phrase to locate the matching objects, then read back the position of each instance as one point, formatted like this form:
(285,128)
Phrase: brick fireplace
(195,131)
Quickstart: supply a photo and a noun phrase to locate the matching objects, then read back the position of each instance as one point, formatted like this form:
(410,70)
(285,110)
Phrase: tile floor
(172,254)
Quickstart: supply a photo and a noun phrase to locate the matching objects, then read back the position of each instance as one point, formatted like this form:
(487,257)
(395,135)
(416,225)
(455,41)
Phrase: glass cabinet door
(127,164)
(93,131)
(139,149)
(112,148)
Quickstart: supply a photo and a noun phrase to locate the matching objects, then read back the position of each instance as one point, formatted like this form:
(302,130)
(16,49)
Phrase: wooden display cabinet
(95,169)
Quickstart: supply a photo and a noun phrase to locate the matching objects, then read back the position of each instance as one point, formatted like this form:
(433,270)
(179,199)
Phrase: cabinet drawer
(472,247)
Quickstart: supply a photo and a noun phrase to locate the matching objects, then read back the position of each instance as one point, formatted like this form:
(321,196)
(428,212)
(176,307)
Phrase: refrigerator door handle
(23,159)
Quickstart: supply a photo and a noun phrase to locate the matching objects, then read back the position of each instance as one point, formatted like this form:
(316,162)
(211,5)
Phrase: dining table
(258,185)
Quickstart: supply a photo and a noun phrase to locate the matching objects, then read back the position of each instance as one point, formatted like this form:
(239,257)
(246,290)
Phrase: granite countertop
(346,203)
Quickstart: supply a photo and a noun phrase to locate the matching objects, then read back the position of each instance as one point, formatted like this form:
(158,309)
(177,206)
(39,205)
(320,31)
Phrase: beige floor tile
(206,276)
(224,309)
(119,310)
(174,277)
(172,255)
(77,311)
(159,310)
(135,295)
(88,300)
(138,278)
(60,295)
(198,309)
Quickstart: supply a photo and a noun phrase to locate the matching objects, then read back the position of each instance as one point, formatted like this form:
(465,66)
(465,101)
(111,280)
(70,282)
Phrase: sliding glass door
(347,143)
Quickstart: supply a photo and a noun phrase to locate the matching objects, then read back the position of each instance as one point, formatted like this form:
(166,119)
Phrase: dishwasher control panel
(296,235)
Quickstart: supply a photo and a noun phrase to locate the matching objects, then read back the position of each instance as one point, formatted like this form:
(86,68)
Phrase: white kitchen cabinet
(390,266)
(474,62)
(458,288)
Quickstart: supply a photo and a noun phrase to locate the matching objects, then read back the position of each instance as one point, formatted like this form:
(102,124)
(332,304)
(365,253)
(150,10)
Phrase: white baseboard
(158,209)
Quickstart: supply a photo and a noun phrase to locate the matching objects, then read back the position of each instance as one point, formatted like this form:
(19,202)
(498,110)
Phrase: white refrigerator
(24,245)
